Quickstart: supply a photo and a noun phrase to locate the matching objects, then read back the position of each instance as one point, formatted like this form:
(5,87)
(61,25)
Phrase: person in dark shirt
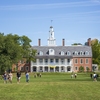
(5,77)
(18,74)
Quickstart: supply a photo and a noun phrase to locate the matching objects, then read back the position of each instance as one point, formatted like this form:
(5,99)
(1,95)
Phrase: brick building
(53,58)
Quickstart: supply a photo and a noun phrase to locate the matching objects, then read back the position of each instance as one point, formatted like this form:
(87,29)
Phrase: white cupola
(51,40)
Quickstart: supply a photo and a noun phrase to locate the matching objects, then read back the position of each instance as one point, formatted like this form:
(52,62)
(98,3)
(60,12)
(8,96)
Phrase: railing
(60,63)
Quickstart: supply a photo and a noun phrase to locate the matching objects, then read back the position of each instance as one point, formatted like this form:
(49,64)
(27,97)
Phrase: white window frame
(62,53)
(86,53)
(81,61)
(76,60)
(86,60)
(76,53)
(41,53)
(68,53)
(40,60)
(26,68)
(76,68)
(81,52)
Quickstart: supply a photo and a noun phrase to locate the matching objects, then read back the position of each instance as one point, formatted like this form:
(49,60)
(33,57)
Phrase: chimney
(39,42)
(63,42)
(89,41)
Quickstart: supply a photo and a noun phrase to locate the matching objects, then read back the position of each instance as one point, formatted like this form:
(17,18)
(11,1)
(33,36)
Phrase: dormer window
(62,53)
(86,53)
(81,53)
(51,52)
(68,53)
(76,53)
(41,53)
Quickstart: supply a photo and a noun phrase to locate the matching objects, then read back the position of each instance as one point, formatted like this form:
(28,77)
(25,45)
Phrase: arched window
(62,53)
(51,52)
(81,52)
(40,53)
(68,53)
(86,53)
(76,53)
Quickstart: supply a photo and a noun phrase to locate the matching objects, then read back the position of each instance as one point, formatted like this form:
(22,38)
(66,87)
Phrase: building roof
(68,51)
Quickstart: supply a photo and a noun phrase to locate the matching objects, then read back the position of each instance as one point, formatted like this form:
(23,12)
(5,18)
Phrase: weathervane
(51,22)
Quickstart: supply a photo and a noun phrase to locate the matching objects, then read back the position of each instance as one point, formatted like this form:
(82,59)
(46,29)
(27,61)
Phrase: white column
(54,69)
(59,68)
(37,69)
(48,69)
(65,68)
(31,68)
(43,68)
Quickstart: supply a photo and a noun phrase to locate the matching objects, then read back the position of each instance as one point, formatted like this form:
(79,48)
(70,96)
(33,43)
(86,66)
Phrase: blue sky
(73,20)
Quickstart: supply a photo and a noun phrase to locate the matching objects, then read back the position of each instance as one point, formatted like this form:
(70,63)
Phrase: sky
(72,20)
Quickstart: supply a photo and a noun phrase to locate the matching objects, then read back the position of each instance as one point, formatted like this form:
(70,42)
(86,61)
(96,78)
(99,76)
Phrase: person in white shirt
(95,76)
(10,76)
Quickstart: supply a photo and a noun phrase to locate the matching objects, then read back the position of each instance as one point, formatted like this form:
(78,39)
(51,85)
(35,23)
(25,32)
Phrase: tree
(81,69)
(14,48)
(76,44)
(87,69)
(95,44)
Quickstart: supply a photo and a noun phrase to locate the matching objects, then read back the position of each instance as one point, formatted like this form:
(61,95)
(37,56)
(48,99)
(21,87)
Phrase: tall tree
(95,44)
(14,48)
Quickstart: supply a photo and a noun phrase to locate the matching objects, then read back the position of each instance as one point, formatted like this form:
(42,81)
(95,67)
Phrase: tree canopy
(95,44)
(14,48)
(76,44)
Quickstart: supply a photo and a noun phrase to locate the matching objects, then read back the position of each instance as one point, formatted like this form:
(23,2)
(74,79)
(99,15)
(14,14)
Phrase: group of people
(73,75)
(7,77)
(18,74)
(38,74)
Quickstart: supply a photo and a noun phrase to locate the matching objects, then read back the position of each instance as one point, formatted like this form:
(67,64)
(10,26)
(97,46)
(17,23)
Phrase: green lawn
(51,86)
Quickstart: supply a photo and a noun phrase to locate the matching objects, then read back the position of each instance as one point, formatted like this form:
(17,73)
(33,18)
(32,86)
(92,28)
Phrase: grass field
(51,86)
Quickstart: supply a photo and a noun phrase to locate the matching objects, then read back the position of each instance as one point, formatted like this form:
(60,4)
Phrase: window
(40,60)
(87,68)
(76,61)
(76,68)
(46,60)
(62,68)
(62,53)
(86,61)
(22,68)
(62,60)
(56,60)
(51,60)
(81,53)
(68,53)
(68,60)
(76,53)
(86,53)
(27,68)
(40,68)
(41,53)
(81,61)
(51,52)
